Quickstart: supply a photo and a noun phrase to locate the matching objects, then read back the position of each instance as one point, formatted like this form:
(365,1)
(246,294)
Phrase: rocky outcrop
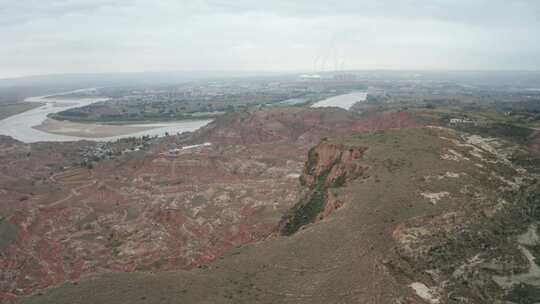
(332,164)
(329,165)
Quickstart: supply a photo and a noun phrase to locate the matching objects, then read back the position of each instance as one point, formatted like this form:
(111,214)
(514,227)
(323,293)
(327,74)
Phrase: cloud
(493,12)
(59,36)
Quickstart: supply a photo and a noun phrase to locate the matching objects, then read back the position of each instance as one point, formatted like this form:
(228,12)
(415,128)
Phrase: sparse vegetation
(10,109)
(8,233)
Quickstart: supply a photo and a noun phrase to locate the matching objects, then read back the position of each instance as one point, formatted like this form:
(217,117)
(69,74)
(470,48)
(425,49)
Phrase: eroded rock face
(329,165)
(142,212)
(333,203)
(332,164)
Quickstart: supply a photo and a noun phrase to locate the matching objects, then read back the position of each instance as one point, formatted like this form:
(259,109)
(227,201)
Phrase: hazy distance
(96,36)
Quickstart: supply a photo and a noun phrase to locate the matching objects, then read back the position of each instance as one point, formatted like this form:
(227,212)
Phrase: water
(345,101)
(20,126)
(292,101)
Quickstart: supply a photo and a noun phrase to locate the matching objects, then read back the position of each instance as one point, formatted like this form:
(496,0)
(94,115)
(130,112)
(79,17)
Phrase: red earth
(155,210)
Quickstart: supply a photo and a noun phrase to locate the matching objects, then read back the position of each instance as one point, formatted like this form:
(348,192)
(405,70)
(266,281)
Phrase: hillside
(177,203)
(423,215)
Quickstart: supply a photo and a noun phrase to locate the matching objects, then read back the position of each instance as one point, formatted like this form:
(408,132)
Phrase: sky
(93,36)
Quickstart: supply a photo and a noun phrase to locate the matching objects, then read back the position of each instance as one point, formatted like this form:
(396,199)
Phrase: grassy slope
(338,260)
(490,116)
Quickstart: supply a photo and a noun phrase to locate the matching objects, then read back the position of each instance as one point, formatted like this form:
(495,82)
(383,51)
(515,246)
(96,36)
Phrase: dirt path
(74,192)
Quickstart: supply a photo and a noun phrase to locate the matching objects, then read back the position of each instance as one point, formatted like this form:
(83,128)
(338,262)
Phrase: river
(20,126)
(345,101)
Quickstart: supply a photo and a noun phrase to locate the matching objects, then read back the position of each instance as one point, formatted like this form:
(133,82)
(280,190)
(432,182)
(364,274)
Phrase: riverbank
(120,121)
(87,130)
(10,109)
(34,125)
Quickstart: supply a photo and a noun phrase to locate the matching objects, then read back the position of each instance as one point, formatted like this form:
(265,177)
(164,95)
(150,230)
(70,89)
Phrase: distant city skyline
(99,36)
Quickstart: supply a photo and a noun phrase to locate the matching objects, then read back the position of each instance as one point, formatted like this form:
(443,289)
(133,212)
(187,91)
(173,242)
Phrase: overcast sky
(65,36)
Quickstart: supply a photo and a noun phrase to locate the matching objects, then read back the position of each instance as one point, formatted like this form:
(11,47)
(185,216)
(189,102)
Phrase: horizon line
(270,72)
